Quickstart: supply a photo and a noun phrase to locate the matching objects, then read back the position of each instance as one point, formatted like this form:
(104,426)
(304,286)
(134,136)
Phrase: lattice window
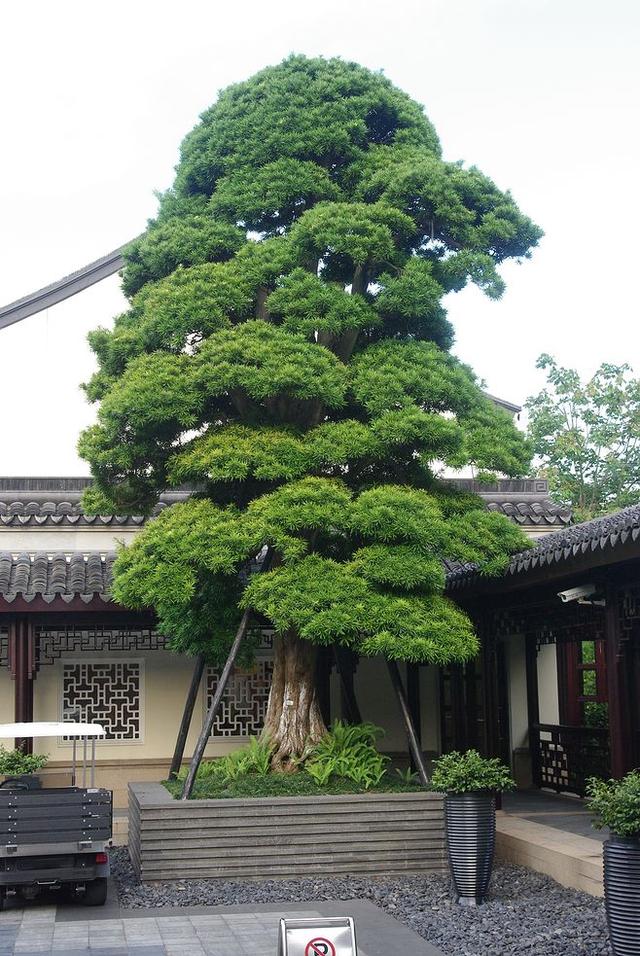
(244,704)
(107,692)
(53,642)
(4,645)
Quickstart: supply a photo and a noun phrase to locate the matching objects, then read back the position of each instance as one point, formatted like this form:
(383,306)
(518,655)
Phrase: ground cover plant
(345,760)
(286,350)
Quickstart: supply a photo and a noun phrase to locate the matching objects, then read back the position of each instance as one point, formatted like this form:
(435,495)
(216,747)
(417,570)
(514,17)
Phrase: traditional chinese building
(67,649)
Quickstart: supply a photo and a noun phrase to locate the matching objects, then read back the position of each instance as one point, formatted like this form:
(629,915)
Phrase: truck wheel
(3,896)
(95,893)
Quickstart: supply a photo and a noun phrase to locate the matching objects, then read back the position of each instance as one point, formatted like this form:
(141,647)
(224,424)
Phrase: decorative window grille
(4,646)
(107,692)
(244,704)
(52,642)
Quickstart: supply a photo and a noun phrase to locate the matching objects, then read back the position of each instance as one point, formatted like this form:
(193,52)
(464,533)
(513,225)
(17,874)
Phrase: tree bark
(293,724)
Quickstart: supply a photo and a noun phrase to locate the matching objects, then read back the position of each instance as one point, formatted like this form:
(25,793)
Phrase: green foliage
(467,772)
(596,714)
(253,760)
(348,751)
(407,776)
(14,763)
(285,350)
(616,804)
(586,436)
(299,784)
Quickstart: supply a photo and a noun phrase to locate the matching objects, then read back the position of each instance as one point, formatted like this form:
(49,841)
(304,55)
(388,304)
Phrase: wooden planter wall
(279,837)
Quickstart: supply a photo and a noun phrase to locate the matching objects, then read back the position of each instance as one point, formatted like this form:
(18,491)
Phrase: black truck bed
(57,821)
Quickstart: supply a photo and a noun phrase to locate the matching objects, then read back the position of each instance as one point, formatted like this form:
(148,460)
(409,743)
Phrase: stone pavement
(40,929)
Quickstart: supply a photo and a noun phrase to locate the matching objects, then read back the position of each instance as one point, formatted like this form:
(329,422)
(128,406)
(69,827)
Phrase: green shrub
(348,750)
(467,772)
(13,763)
(616,804)
(255,758)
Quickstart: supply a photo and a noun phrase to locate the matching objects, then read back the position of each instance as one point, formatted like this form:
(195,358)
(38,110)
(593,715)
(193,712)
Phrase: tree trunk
(294,722)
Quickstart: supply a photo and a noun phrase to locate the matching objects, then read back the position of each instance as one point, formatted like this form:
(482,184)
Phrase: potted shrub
(470,783)
(616,804)
(19,769)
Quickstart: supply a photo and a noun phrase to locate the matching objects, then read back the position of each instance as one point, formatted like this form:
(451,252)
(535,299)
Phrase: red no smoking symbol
(320,947)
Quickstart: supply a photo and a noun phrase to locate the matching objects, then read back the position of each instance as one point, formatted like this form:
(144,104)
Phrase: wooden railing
(564,757)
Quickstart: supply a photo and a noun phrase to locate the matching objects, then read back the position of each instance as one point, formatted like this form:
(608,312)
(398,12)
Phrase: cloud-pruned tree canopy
(286,351)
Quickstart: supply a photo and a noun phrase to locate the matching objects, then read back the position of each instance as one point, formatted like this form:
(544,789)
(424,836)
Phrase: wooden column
(22,665)
(491,735)
(620,731)
(533,706)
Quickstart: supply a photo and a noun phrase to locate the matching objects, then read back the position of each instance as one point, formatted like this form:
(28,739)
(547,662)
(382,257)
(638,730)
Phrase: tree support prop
(412,737)
(212,713)
(187,716)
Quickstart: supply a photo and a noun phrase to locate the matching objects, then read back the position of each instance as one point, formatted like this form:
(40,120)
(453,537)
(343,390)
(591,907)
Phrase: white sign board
(317,937)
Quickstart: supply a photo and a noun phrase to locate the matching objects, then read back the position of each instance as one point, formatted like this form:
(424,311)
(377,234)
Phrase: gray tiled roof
(56,575)
(62,289)
(50,502)
(600,534)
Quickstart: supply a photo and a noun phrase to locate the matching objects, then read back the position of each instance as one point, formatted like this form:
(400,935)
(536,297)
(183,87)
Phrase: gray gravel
(527,913)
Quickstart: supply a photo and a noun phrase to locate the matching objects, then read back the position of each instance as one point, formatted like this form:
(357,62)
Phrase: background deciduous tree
(286,350)
(586,436)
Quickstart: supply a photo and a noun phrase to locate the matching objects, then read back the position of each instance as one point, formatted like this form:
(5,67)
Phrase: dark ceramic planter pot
(622,893)
(470,820)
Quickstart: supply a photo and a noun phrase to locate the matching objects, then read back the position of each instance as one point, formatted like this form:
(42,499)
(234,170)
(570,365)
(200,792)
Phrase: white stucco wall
(69,539)
(517,678)
(6,698)
(378,704)
(548,684)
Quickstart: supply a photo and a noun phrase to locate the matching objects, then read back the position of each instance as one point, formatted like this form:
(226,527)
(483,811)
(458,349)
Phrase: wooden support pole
(414,745)
(413,701)
(212,713)
(214,707)
(185,724)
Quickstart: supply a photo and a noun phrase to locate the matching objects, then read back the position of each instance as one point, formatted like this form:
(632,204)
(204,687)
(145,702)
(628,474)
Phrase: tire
(95,893)
(3,896)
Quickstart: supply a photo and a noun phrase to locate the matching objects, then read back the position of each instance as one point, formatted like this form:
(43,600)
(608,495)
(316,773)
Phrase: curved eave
(62,289)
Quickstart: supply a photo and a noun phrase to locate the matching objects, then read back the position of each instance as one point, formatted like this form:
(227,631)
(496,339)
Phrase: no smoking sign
(320,936)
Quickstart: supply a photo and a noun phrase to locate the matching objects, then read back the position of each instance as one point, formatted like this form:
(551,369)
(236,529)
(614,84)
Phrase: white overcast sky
(542,95)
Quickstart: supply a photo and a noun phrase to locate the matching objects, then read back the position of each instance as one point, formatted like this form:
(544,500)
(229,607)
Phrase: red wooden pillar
(620,732)
(22,665)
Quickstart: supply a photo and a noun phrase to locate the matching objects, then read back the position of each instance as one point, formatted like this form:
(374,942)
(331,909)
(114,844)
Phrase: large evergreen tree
(286,350)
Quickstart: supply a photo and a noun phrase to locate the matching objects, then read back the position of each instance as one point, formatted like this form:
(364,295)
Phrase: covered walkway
(552,833)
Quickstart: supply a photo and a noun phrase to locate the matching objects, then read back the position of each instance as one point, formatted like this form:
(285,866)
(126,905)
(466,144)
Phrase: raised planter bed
(278,837)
